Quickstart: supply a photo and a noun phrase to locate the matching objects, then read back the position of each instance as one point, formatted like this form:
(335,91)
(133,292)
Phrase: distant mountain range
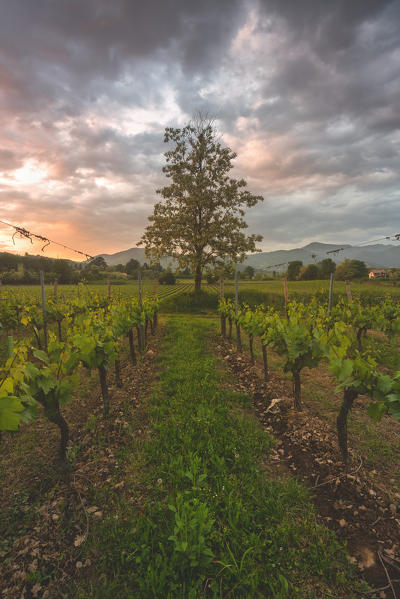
(374,256)
(135,253)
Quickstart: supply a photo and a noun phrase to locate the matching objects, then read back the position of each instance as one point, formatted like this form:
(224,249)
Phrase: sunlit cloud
(30,173)
(308,98)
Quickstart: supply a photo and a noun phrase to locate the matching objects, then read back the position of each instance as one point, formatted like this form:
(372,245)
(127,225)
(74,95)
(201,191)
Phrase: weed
(210,524)
(91,422)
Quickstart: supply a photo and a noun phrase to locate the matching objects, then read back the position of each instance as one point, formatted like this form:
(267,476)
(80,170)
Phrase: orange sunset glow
(310,104)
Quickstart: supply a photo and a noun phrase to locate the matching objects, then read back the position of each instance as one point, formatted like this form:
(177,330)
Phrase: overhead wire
(394,237)
(29,235)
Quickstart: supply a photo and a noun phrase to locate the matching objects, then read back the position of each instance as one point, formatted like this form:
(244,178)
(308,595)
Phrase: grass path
(210,524)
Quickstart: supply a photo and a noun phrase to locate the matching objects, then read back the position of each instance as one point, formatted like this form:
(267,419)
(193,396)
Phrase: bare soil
(364,513)
(46,512)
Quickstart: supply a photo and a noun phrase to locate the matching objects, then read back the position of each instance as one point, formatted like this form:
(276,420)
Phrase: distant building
(378,274)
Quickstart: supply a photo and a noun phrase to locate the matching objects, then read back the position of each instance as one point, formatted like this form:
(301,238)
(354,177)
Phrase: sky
(306,93)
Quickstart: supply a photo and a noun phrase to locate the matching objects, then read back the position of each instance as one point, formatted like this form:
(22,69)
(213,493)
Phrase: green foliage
(249,272)
(213,524)
(167,278)
(351,269)
(190,537)
(326,267)
(190,302)
(293,269)
(11,408)
(132,266)
(20,270)
(33,376)
(200,222)
(94,341)
(310,333)
(309,273)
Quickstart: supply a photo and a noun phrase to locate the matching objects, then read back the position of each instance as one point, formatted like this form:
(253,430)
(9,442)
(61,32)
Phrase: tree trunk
(144,337)
(251,348)
(359,333)
(132,347)
(63,426)
(54,415)
(349,395)
(37,336)
(223,325)
(139,339)
(230,328)
(265,361)
(59,330)
(362,332)
(197,278)
(118,373)
(238,337)
(297,391)
(104,389)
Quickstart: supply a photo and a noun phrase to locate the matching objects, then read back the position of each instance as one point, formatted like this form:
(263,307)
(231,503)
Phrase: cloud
(307,94)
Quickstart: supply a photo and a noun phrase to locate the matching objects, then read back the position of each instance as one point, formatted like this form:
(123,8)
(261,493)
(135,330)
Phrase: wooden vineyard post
(221,288)
(286,294)
(43,308)
(251,344)
(132,347)
(109,288)
(223,317)
(238,337)
(104,389)
(265,361)
(140,289)
(348,292)
(330,293)
(55,290)
(155,291)
(236,290)
(117,366)
(142,342)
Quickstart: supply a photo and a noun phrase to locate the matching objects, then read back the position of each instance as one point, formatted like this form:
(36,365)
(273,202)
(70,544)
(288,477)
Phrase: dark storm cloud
(331,25)
(109,152)
(48,48)
(307,93)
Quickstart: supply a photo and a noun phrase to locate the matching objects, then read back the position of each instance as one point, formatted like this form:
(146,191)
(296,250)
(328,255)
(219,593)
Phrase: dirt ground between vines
(46,513)
(362,513)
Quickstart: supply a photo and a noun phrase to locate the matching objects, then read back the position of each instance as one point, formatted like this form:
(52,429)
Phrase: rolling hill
(375,256)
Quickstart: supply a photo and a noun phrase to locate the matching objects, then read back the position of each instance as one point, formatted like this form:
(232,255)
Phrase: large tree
(293,269)
(327,267)
(200,220)
(309,272)
(351,269)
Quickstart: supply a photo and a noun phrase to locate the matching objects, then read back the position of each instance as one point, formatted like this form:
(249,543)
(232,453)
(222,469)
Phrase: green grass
(377,288)
(210,523)
(127,289)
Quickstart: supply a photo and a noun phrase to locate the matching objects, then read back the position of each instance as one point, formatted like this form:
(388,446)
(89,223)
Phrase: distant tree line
(25,270)
(15,269)
(347,270)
